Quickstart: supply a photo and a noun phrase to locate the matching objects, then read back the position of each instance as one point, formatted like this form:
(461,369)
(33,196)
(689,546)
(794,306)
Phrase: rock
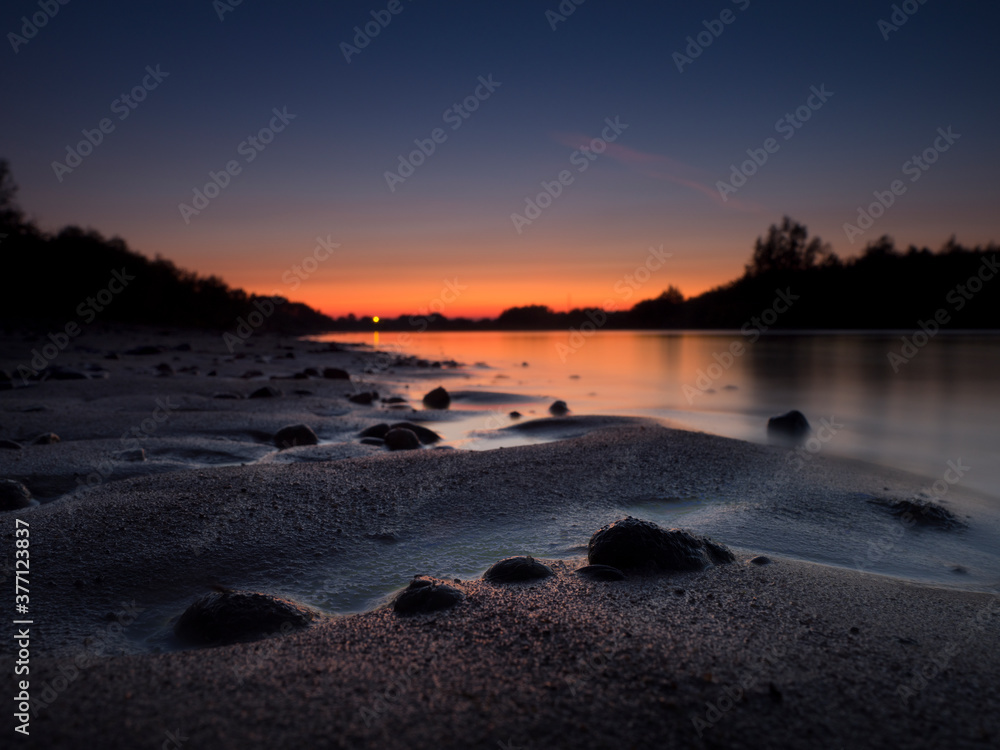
(136,454)
(46,438)
(268,391)
(394,400)
(302,392)
(252,374)
(437,399)
(759,560)
(558,409)
(165,368)
(335,373)
(516,570)
(293,435)
(312,372)
(145,351)
(790,426)
(223,617)
(515,415)
(63,373)
(600,573)
(375,431)
(365,398)
(10,445)
(372,441)
(13,496)
(227,395)
(630,544)
(427,437)
(401,439)
(425,595)
(923,513)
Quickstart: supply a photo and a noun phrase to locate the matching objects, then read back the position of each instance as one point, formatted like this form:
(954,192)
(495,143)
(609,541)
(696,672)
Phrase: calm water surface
(942,405)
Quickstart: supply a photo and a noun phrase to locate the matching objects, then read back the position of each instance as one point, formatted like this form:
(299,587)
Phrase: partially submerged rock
(14,495)
(46,438)
(223,617)
(365,398)
(437,399)
(790,426)
(632,544)
(517,570)
(295,434)
(401,439)
(425,595)
(922,513)
(558,409)
(427,437)
(375,431)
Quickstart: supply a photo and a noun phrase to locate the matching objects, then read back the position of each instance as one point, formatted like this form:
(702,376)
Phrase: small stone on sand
(516,570)
(293,435)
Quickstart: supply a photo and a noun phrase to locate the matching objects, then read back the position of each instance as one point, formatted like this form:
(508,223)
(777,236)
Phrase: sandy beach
(788,654)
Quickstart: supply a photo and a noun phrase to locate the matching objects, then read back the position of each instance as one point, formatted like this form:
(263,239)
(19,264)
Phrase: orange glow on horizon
(488,302)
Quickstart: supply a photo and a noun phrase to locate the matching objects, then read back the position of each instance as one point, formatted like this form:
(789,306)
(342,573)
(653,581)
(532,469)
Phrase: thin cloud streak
(659,167)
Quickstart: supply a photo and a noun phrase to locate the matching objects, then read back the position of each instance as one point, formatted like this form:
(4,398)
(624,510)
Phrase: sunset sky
(548,91)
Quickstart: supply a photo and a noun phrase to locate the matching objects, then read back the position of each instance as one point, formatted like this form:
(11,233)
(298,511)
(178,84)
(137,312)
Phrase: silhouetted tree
(788,248)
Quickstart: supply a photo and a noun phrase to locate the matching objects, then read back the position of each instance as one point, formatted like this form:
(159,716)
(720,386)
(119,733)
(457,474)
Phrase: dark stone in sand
(558,408)
(365,398)
(227,395)
(13,496)
(10,445)
(293,435)
(790,426)
(759,560)
(136,454)
(302,392)
(515,415)
(63,373)
(223,617)
(516,570)
(394,400)
(630,543)
(924,514)
(401,439)
(46,438)
(375,431)
(312,372)
(427,437)
(145,351)
(335,373)
(165,368)
(437,399)
(268,391)
(372,441)
(601,573)
(426,595)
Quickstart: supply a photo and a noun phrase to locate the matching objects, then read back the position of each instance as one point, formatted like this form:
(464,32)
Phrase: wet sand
(789,654)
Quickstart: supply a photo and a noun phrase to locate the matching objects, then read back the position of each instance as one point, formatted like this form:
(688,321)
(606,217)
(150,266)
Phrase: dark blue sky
(657,183)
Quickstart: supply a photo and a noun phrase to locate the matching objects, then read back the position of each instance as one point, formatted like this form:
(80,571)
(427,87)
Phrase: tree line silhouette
(48,276)
(55,278)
